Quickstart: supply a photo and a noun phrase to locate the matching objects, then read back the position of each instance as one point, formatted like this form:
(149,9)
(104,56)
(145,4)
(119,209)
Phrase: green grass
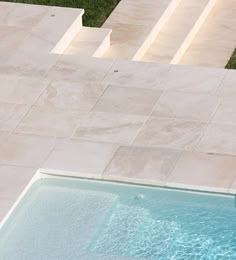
(96,11)
(232,62)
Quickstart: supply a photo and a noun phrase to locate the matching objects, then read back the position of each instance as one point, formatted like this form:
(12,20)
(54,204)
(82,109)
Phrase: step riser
(157,28)
(68,36)
(103,47)
(197,26)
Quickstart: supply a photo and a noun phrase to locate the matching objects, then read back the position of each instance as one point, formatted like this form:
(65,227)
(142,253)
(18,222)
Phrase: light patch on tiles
(170,133)
(199,107)
(109,127)
(149,165)
(20,89)
(127,101)
(204,172)
(84,157)
(226,112)
(44,120)
(80,96)
(138,74)
(194,79)
(11,115)
(25,150)
(219,138)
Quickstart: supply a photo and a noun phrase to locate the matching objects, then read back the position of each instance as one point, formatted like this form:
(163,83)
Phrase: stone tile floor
(117,120)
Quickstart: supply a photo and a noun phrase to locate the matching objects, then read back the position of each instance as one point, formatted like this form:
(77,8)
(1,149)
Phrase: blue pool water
(75,219)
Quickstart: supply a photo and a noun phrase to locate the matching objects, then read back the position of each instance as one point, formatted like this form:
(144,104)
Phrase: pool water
(61,218)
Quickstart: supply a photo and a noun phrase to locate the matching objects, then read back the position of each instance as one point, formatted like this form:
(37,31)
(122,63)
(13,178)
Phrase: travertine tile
(25,150)
(232,188)
(78,95)
(20,89)
(30,63)
(13,180)
(151,165)
(127,100)
(109,127)
(44,120)
(219,139)
(194,79)
(226,112)
(76,68)
(190,106)
(11,115)
(84,157)
(203,171)
(13,38)
(170,133)
(5,206)
(138,74)
(228,86)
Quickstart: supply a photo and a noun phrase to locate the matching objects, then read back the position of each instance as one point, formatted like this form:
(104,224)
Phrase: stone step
(90,42)
(216,41)
(133,24)
(177,34)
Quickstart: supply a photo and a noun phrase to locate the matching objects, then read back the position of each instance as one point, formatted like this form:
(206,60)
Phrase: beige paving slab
(135,101)
(170,133)
(75,68)
(109,127)
(78,95)
(138,74)
(11,39)
(23,63)
(203,172)
(20,89)
(228,86)
(219,138)
(233,187)
(11,115)
(194,79)
(13,180)
(25,150)
(226,112)
(47,121)
(84,157)
(190,106)
(149,165)
(21,15)
(5,206)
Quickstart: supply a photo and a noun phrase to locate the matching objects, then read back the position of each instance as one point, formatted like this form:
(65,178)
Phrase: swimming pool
(71,218)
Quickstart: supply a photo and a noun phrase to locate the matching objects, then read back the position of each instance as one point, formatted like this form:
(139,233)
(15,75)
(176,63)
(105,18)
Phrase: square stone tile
(233,187)
(76,68)
(20,89)
(83,157)
(170,133)
(199,107)
(109,127)
(11,115)
(138,74)
(28,62)
(25,150)
(127,100)
(13,180)
(226,112)
(45,120)
(194,79)
(80,96)
(5,206)
(218,139)
(151,165)
(228,86)
(204,172)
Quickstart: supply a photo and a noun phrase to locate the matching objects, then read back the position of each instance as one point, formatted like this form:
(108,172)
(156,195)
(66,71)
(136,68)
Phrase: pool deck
(150,123)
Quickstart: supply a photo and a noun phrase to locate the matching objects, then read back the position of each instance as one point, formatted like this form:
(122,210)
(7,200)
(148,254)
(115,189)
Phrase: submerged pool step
(90,42)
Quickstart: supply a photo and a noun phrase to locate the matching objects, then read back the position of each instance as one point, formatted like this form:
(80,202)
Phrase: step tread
(175,31)
(87,41)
